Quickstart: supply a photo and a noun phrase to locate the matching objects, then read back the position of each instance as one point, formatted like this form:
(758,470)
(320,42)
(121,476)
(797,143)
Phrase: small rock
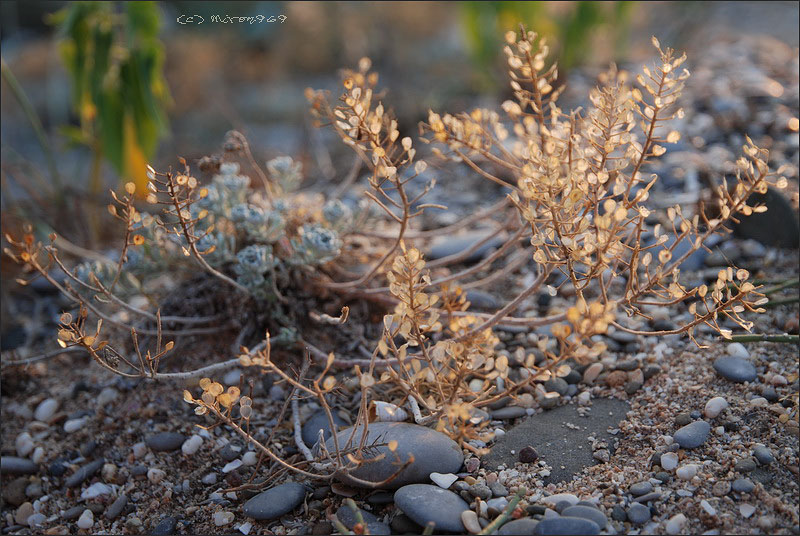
(165,527)
(566,525)
(73,425)
(640,488)
(736,369)
(586,512)
(592,372)
(669,461)
(223,518)
(558,497)
(507,413)
(746,510)
(165,441)
(444,481)
(116,507)
(498,490)
(106,396)
(12,465)
(470,521)
(675,524)
(22,514)
(46,409)
(618,513)
(715,406)
(743,485)
(528,455)
(705,505)
(275,502)
(24,444)
(647,497)
(518,527)
(763,455)
(192,445)
(638,514)
(425,503)
(249,458)
(692,435)
(480,490)
(84,472)
(687,472)
(721,488)
(745,465)
(98,489)
(683,419)
(737,349)
(557,385)
(86,520)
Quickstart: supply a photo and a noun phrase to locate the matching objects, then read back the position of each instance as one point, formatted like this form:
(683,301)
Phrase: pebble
(165,441)
(73,425)
(721,488)
(139,449)
(223,518)
(640,488)
(38,455)
(275,502)
(558,497)
(192,445)
(470,521)
(507,413)
(669,461)
(638,514)
(498,490)
(746,510)
(497,505)
(86,520)
(24,444)
(705,505)
(745,465)
(432,451)
(675,524)
(12,465)
(249,458)
(480,490)
(424,503)
(737,349)
(106,396)
(736,369)
(116,507)
(472,465)
(84,472)
(687,472)
(743,485)
(592,372)
(165,527)
(692,435)
(444,481)
(647,497)
(566,525)
(46,409)
(763,455)
(528,454)
(557,385)
(22,514)
(586,512)
(715,406)
(618,513)
(98,489)
(232,466)
(519,527)
(210,478)
(155,475)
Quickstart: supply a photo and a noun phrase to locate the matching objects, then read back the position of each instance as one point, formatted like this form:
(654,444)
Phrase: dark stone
(116,507)
(480,490)
(663,476)
(165,441)
(763,455)
(87,471)
(650,371)
(618,513)
(507,413)
(566,525)
(630,364)
(743,485)
(14,491)
(317,422)
(528,455)
(695,415)
(450,245)
(692,435)
(573,378)
(498,490)
(432,452)
(12,465)
(558,385)
(735,369)
(73,513)
(88,448)
(166,526)
(551,440)
(521,527)
(769,393)
(745,465)
(779,226)
(640,488)
(402,524)
(381,498)
(683,419)
(275,502)
(561,506)
(57,469)
(348,519)
(647,497)
(638,514)
(228,454)
(425,503)
(586,512)
(321,492)
(479,299)
(536,509)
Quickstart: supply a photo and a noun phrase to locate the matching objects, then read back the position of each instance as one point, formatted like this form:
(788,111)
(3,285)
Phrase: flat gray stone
(566,526)
(556,443)
(424,503)
(275,502)
(508,412)
(165,441)
(743,485)
(116,507)
(638,514)
(692,435)
(763,455)
(586,512)
(432,452)
(524,526)
(12,465)
(735,369)
(479,299)
(640,488)
(450,245)
(317,422)
(166,526)
(87,471)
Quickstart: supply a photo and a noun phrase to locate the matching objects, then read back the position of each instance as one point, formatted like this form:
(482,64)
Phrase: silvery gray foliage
(286,172)
(254,264)
(337,214)
(223,246)
(316,245)
(257,223)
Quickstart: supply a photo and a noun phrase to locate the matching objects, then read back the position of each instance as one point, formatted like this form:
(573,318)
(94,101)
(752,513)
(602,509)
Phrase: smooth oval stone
(763,455)
(735,369)
(638,514)
(432,452)
(317,422)
(640,488)
(275,502)
(166,526)
(743,485)
(450,245)
(165,441)
(116,507)
(77,478)
(524,526)
(586,512)
(508,412)
(566,525)
(478,299)
(558,497)
(12,465)
(692,435)
(425,503)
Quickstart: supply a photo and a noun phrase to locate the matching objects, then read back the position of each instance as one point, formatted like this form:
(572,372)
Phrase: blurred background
(93,91)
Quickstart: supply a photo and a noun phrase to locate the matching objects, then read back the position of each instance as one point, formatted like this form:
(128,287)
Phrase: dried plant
(576,206)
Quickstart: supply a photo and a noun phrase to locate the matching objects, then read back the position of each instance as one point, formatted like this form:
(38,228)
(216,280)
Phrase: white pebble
(669,461)
(470,521)
(210,478)
(759,402)
(86,520)
(230,466)
(738,349)
(704,504)
(715,406)
(675,524)
(155,475)
(46,409)
(73,425)
(232,377)
(250,458)
(686,472)
(38,454)
(244,528)
(584,398)
(746,510)
(444,481)
(107,396)
(222,518)
(779,379)
(192,445)
(97,489)
(558,497)
(108,472)
(24,444)
(36,519)
(139,449)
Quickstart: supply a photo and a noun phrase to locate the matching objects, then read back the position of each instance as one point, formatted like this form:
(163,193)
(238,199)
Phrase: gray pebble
(498,490)
(558,385)
(618,513)
(319,421)
(763,455)
(743,485)
(165,441)
(736,369)
(116,507)
(509,412)
(522,527)
(88,470)
(638,514)
(275,502)
(566,525)
(12,465)
(745,465)
(165,527)
(586,512)
(647,497)
(480,490)
(424,503)
(692,435)
(640,488)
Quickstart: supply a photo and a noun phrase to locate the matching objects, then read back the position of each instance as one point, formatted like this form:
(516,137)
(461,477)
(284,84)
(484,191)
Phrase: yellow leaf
(135,162)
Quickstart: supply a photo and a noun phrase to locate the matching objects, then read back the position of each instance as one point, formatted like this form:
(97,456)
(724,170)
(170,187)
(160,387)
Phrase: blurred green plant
(115,63)
(569,23)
